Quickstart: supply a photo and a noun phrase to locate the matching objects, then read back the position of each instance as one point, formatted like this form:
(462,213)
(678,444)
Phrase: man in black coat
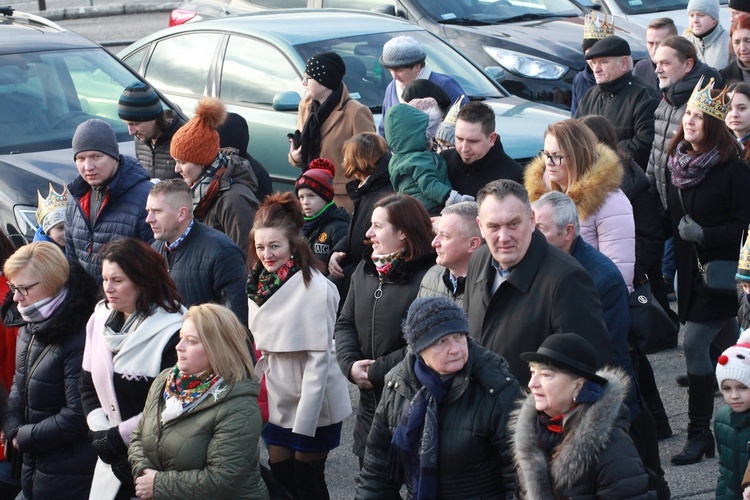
(622,97)
(520,290)
(478,157)
(205,264)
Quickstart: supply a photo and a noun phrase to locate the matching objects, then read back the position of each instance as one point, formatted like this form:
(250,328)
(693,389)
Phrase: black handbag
(651,328)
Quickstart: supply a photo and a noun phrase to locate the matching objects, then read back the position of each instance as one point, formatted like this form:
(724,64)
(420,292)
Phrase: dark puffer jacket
(732,432)
(51,428)
(596,458)
(325,231)
(122,215)
(156,158)
(208,267)
(667,120)
(370,328)
(475,458)
(209,452)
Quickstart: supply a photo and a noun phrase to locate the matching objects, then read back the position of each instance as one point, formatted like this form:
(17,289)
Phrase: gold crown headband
(702,100)
(52,202)
(595,28)
(452,115)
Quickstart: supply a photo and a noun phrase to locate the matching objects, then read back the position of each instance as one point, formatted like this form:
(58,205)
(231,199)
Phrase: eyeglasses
(23,290)
(555,159)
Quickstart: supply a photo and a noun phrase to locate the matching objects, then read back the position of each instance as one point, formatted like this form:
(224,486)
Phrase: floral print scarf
(261,284)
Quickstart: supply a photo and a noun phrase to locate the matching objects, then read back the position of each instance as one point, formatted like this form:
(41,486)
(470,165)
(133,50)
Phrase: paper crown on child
(595,28)
(51,210)
(734,363)
(714,106)
(743,266)
(452,115)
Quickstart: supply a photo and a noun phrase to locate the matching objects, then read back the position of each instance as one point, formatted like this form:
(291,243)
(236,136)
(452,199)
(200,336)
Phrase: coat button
(390,383)
(112,407)
(492,391)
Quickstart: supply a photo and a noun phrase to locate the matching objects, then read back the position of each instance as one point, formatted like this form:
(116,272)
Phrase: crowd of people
(174,315)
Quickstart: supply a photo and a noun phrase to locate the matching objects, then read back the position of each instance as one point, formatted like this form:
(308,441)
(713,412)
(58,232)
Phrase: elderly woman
(52,299)
(571,433)
(130,339)
(449,402)
(198,436)
(327,117)
(368,340)
(575,163)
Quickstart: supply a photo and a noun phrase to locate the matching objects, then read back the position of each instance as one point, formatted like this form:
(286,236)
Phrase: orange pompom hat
(198,141)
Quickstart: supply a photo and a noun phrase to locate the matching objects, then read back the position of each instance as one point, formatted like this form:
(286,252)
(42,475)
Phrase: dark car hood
(557,39)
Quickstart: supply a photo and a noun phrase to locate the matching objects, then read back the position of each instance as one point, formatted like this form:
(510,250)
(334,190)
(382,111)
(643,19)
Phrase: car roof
(299,26)
(23,32)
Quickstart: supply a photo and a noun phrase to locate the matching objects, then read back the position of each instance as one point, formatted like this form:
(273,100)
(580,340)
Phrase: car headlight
(25,220)
(525,65)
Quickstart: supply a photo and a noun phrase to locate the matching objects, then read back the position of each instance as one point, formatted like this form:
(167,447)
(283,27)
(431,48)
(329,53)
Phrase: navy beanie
(139,103)
(431,318)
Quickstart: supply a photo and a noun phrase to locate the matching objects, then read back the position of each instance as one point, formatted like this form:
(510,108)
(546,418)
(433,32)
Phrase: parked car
(536,42)
(255,64)
(51,80)
(641,13)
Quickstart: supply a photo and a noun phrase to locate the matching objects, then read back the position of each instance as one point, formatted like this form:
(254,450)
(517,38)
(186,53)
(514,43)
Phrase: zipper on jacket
(377,294)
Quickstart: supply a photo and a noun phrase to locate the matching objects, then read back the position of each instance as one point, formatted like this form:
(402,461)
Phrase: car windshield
(651,6)
(484,12)
(44,96)
(366,79)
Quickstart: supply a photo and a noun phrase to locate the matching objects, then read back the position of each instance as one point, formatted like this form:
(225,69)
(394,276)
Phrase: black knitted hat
(431,318)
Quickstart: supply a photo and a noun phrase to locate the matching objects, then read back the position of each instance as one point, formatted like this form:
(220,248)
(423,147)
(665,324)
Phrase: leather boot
(284,474)
(311,480)
(700,441)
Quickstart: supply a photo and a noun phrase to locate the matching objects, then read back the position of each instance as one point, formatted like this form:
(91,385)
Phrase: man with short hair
(457,238)
(405,58)
(621,97)
(656,32)
(520,290)
(107,198)
(153,127)
(205,264)
(478,157)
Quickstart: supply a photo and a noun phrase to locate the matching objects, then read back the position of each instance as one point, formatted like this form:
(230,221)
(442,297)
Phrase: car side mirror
(496,73)
(588,4)
(286,101)
(385,9)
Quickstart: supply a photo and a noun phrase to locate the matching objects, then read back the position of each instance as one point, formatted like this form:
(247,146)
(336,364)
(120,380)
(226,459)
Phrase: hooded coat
(58,460)
(596,458)
(475,459)
(414,169)
(732,430)
(604,211)
(208,452)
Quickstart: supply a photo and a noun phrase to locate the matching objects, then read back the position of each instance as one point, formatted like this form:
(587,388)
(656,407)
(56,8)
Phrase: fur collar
(584,438)
(589,192)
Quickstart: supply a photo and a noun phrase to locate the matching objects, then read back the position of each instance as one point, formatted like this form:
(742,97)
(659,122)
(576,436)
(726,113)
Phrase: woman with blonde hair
(575,163)
(198,435)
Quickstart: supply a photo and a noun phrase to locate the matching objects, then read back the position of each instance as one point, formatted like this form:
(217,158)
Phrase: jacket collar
(614,86)
(678,93)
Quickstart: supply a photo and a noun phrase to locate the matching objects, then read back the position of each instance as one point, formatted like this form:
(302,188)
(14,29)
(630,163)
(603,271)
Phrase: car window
(280,4)
(181,64)
(357,4)
(366,80)
(44,96)
(496,11)
(135,59)
(255,71)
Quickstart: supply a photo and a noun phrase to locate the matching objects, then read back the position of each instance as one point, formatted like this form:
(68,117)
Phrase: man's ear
(474,243)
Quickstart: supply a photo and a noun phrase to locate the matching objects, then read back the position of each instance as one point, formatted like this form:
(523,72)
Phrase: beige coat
(294,331)
(347,120)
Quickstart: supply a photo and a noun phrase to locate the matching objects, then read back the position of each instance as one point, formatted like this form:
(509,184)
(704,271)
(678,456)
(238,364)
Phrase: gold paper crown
(452,115)
(595,28)
(702,100)
(52,202)
(743,266)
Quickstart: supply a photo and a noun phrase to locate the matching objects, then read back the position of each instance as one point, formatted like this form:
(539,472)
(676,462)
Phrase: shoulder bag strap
(695,247)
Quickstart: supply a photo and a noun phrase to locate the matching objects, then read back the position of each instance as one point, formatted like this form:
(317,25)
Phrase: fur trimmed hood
(589,192)
(584,439)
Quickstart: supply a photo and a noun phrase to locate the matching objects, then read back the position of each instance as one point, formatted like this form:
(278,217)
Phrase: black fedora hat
(568,351)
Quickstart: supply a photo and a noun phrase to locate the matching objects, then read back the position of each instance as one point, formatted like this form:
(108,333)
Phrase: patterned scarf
(261,284)
(689,170)
(182,390)
(43,309)
(385,264)
(205,190)
(415,447)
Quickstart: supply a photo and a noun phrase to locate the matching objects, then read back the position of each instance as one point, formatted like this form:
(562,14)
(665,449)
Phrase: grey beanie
(710,7)
(446,132)
(431,318)
(402,52)
(430,107)
(95,135)
(139,103)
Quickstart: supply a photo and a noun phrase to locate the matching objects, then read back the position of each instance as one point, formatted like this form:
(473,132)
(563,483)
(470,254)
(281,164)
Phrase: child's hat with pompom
(318,178)
(198,141)
(734,363)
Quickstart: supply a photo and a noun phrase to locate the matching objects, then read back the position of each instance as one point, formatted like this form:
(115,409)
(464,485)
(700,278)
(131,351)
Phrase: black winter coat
(469,179)
(156,158)
(719,205)
(323,233)
(208,267)
(732,73)
(629,105)
(370,328)
(51,428)
(547,292)
(596,459)
(475,458)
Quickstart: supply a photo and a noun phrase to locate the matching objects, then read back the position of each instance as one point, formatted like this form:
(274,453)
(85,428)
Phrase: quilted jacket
(209,452)
(732,430)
